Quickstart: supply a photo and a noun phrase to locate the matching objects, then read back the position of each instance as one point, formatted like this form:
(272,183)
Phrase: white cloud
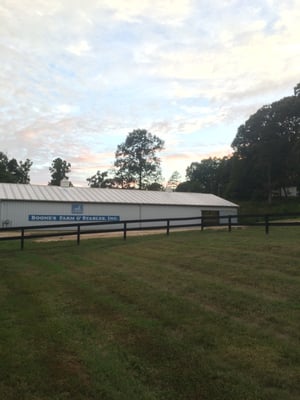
(243,55)
(65,109)
(167,11)
(80,48)
(76,76)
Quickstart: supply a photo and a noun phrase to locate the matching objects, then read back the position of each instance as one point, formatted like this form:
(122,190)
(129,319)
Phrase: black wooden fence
(165,224)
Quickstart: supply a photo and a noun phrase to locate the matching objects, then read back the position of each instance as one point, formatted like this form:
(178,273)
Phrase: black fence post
(168,227)
(266,220)
(78,235)
(125,231)
(22,238)
(267,224)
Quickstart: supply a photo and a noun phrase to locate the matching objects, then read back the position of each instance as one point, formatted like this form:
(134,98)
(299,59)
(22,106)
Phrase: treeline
(136,166)
(12,171)
(265,160)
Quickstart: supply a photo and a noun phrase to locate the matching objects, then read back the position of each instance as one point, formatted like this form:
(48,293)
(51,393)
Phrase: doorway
(211,217)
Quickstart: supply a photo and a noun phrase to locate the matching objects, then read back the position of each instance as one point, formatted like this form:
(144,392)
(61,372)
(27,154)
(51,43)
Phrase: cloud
(243,54)
(169,11)
(179,161)
(80,48)
(76,77)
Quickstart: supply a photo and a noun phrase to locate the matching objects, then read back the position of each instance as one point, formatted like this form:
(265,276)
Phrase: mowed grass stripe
(246,301)
(56,325)
(154,318)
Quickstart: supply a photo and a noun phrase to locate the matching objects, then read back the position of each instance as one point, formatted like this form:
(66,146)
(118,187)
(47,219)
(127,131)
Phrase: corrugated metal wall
(18,212)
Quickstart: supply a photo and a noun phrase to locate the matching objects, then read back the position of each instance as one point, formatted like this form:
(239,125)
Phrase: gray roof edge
(11,191)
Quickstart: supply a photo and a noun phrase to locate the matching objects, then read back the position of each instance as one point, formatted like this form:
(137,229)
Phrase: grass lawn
(197,315)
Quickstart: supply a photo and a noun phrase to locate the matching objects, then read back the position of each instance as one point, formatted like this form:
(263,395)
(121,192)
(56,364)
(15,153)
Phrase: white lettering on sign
(73,218)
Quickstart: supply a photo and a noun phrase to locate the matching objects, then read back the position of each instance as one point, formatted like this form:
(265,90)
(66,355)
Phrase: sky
(77,76)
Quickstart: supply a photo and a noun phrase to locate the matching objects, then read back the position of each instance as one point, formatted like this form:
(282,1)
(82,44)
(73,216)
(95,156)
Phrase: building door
(211,217)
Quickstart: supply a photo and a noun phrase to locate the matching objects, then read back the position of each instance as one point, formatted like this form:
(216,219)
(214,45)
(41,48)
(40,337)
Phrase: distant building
(26,205)
(289,192)
(286,192)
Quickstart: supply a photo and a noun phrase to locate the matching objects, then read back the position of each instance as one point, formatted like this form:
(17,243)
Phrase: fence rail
(229,221)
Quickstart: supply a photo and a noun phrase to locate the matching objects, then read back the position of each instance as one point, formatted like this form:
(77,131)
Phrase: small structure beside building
(29,205)
(286,192)
(289,192)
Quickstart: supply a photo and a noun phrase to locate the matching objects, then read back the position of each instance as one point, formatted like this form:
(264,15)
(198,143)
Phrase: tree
(23,171)
(155,187)
(13,172)
(211,175)
(189,186)
(267,147)
(174,181)
(136,159)
(59,170)
(98,180)
(206,174)
(106,179)
(240,183)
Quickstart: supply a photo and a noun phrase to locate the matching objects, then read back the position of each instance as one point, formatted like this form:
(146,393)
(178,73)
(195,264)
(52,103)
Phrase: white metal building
(27,205)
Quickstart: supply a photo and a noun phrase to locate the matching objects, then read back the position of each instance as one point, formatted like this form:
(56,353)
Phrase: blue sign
(77,209)
(73,218)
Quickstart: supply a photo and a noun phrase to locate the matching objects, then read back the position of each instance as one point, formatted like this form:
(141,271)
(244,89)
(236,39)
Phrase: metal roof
(22,192)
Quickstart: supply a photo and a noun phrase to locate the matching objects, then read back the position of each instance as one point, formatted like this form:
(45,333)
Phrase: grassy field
(197,315)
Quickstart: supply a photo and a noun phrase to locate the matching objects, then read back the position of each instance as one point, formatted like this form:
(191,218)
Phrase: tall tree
(13,172)
(174,181)
(59,170)
(267,146)
(206,174)
(136,159)
(211,175)
(23,171)
(297,90)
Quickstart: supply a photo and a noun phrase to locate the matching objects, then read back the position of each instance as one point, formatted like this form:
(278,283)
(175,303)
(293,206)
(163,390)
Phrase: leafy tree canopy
(107,179)
(59,170)
(155,187)
(98,180)
(12,171)
(174,181)
(211,175)
(268,143)
(136,159)
(297,90)
(189,186)
(205,173)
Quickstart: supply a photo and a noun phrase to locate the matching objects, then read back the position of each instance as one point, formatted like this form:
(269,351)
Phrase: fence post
(125,231)
(266,224)
(22,238)
(229,223)
(78,235)
(168,227)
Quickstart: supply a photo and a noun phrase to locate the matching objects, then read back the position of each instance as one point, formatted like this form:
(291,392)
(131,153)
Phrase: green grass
(197,315)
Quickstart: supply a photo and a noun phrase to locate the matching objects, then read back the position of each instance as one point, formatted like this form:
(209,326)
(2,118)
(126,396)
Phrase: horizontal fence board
(79,229)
